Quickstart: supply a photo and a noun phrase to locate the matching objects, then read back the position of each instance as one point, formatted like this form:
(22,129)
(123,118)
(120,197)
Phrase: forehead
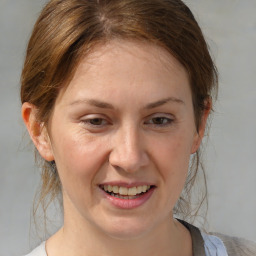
(130,52)
(130,65)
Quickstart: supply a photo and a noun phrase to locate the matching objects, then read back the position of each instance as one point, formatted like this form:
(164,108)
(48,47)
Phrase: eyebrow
(164,101)
(93,102)
(102,104)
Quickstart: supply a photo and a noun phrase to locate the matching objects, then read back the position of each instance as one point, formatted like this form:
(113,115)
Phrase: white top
(39,251)
(212,244)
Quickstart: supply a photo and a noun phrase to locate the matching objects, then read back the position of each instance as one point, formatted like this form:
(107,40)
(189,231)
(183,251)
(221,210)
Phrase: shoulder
(38,251)
(237,246)
(216,244)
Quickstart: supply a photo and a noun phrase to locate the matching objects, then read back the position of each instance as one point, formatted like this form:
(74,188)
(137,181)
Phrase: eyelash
(164,121)
(90,120)
(156,121)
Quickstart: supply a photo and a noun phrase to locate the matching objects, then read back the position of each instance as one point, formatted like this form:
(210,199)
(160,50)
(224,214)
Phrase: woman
(116,96)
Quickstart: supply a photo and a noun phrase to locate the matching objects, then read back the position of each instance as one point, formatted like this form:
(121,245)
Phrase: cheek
(172,157)
(78,157)
(174,151)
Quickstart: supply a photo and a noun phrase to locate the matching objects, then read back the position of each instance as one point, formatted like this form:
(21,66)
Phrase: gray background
(230,28)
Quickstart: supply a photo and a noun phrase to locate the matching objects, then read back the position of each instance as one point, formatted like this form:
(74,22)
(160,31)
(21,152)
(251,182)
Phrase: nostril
(118,168)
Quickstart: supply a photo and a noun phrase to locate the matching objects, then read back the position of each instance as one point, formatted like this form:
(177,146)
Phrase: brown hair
(67,30)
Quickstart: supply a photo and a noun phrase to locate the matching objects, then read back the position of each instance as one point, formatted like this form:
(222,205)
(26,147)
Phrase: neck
(79,237)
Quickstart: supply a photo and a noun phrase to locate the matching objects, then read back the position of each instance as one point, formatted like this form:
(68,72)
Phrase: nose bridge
(128,151)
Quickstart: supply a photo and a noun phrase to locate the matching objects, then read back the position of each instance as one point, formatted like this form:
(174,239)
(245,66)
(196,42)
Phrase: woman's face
(124,125)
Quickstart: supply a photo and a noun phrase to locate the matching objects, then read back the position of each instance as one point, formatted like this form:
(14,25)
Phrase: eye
(160,121)
(95,122)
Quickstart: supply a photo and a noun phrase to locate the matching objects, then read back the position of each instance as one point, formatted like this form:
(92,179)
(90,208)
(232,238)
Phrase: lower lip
(129,203)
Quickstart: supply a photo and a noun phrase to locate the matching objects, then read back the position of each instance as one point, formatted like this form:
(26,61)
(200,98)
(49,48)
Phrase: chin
(123,229)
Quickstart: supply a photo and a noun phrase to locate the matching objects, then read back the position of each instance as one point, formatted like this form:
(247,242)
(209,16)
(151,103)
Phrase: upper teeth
(126,191)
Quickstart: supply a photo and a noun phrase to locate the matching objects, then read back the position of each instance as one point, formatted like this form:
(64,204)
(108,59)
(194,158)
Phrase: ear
(201,130)
(37,131)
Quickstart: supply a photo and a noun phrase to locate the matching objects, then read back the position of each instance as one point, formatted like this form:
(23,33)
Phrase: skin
(144,132)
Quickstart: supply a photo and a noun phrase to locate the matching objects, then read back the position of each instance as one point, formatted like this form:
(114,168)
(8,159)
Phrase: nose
(128,152)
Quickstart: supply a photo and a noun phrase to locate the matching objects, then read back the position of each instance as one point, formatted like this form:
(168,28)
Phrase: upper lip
(127,184)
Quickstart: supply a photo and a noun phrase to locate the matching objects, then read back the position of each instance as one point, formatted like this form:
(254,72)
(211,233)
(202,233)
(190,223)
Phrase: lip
(128,203)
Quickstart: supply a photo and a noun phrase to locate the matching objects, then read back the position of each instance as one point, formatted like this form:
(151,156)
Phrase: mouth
(125,192)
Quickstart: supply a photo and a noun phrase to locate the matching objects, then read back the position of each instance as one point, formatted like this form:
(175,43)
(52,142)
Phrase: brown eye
(96,121)
(160,120)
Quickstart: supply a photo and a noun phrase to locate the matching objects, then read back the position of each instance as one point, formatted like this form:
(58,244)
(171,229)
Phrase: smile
(127,198)
(124,192)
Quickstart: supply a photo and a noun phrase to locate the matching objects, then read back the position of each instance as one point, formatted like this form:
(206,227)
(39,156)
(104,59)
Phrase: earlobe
(37,131)
(196,143)
(201,130)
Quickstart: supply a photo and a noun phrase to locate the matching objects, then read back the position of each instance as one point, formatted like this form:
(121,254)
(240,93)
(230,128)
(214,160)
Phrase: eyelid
(86,120)
(93,116)
(166,116)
